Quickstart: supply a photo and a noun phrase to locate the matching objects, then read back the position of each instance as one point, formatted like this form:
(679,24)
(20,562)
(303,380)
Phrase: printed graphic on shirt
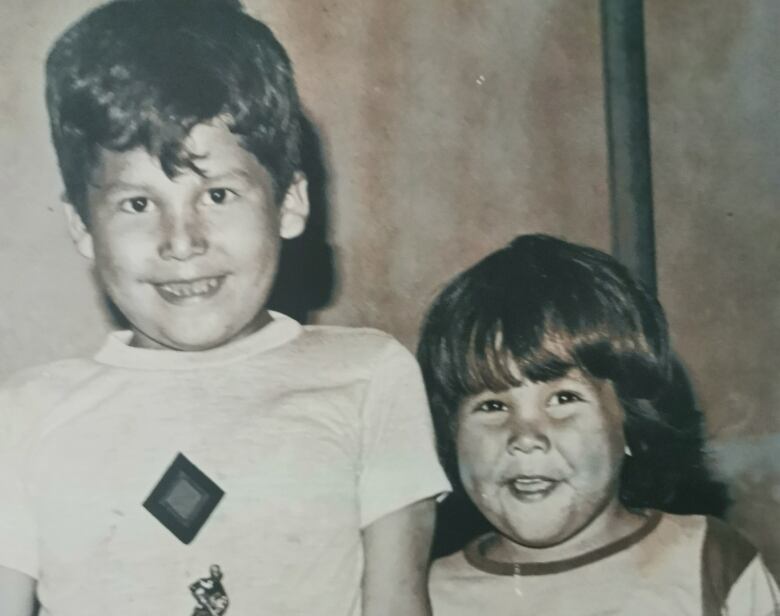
(183,499)
(210,594)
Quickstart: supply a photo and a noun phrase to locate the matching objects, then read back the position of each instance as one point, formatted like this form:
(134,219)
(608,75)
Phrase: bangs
(500,357)
(534,314)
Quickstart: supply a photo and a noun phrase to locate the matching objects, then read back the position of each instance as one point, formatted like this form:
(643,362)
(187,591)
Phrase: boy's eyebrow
(226,173)
(121,186)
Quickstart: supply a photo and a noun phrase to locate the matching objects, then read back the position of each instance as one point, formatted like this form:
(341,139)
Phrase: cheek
(252,237)
(123,257)
(595,451)
(478,456)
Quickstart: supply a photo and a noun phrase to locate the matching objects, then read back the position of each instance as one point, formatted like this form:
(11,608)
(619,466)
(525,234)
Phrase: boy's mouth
(187,291)
(531,488)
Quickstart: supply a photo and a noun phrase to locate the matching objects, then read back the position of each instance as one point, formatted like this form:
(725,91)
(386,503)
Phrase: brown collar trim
(475,553)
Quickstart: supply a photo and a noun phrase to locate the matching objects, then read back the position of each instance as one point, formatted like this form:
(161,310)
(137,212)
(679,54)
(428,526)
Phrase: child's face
(541,461)
(189,261)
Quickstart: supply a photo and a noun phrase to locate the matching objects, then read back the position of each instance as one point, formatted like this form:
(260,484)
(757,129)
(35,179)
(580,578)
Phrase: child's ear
(78,231)
(295,208)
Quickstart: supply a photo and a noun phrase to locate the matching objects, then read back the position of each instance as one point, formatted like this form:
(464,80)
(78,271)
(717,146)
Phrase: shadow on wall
(306,277)
(678,460)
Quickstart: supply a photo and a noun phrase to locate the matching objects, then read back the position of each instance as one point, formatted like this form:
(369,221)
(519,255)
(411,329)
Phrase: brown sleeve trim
(725,556)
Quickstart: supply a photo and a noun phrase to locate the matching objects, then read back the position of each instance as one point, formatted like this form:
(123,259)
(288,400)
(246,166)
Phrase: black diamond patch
(183,499)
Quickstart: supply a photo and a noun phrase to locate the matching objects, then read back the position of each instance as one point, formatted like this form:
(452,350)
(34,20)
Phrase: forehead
(211,147)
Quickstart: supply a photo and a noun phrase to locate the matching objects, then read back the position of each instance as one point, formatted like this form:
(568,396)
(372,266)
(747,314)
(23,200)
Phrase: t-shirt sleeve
(735,580)
(399,461)
(18,534)
(755,593)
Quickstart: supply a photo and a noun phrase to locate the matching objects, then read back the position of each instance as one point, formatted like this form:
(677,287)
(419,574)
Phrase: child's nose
(527,436)
(183,237)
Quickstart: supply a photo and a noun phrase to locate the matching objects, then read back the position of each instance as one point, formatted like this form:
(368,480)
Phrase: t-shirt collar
(116,350)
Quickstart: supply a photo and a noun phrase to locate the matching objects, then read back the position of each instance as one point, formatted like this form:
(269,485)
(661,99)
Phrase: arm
(17,593)
(397,550)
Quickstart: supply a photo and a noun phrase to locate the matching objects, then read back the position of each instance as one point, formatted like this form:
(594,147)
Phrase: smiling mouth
(531,488)
(188,291)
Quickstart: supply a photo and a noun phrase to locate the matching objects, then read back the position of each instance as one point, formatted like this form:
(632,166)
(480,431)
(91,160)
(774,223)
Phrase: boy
(294,464)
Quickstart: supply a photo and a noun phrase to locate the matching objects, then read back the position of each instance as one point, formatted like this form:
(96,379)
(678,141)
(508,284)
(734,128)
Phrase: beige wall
(449,126)
(714,100)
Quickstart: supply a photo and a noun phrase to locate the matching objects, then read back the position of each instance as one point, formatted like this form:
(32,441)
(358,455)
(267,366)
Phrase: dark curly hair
(545,306)
(143,73)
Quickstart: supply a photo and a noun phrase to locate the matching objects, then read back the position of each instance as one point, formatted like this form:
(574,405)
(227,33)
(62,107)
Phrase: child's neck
(142,341)
(614,524)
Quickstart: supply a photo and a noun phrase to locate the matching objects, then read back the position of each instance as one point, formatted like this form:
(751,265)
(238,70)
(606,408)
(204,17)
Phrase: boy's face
(189,261)
(541,461)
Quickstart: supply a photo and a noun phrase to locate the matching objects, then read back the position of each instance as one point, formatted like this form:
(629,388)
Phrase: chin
(543,534)
(540,540)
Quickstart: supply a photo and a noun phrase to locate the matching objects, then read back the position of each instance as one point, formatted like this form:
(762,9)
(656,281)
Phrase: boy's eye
(491,406)
(219,196)
(136,205)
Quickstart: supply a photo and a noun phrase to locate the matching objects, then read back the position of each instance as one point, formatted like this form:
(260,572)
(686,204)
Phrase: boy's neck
(142,341)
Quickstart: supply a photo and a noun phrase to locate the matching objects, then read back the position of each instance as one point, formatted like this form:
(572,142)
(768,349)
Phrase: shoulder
(725,555)
(450,570)
(364,346)
(456,587)
(48,379)
(712,536)
(347,336)
(26,397)
(721,545)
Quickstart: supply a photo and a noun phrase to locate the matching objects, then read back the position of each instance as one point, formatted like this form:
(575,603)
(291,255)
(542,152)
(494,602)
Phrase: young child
(215,457)
(546,367)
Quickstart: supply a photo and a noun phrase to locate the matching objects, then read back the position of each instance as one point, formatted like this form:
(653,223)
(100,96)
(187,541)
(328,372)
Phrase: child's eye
(136,205)
(565,397)
(491,406)
(219,196)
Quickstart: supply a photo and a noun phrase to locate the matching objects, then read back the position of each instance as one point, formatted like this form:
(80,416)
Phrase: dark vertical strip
(725,555)
(628,138)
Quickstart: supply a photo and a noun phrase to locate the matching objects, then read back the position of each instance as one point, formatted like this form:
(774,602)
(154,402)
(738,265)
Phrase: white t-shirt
(313,433)
(672,566)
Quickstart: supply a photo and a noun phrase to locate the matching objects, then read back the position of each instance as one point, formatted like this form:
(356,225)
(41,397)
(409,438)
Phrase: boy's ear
(78,231)
(295,208)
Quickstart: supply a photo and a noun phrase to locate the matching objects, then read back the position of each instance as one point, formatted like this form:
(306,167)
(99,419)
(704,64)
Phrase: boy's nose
(183,237)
